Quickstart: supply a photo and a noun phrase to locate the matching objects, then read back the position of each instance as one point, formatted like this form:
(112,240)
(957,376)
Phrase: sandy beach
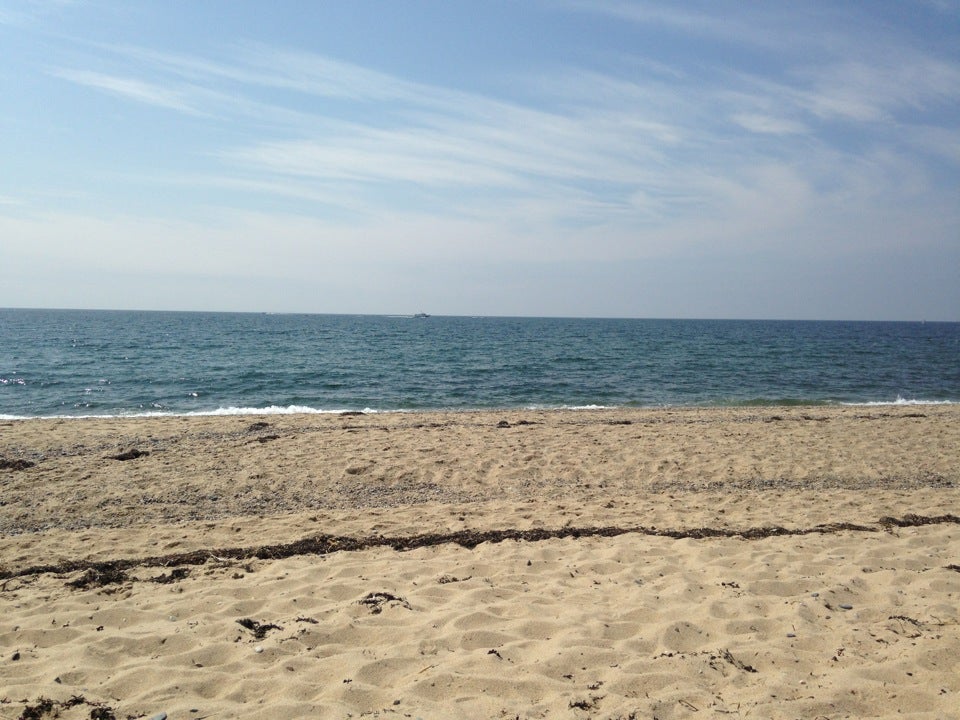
(754,562)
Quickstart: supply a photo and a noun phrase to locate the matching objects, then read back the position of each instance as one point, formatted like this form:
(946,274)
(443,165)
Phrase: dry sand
(765,563)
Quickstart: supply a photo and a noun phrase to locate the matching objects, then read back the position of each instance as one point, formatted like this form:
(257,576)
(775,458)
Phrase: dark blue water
(121,363)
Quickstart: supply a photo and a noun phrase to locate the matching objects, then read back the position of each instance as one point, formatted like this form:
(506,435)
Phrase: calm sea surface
(72,363)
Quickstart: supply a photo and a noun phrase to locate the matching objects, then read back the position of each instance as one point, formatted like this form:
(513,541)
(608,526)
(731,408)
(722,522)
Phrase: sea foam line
(307,410)
(901,401)
(219,412)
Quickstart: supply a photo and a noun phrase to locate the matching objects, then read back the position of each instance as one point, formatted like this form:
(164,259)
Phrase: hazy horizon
(412,314)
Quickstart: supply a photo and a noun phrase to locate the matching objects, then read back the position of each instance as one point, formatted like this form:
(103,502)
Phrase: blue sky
(526,157)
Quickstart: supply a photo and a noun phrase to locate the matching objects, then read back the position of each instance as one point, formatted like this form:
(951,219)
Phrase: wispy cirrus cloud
(423,135)
(768,124)
(632,149)
(28,12)
(837,63)
(131,89)
(256,65)
(683,18)
(904,82)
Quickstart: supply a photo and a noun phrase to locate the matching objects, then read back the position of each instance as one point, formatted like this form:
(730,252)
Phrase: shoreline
(771,561)
(270,411)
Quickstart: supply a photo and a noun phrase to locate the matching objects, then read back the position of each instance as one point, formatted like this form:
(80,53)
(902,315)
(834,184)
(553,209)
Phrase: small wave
(903,401)
(272,410)
(228,411)
(534,407)
(307,410)
(804,402)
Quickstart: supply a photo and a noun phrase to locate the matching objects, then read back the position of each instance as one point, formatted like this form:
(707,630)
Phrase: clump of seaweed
(45,707)
(15,464)
(99,576)
(258,629)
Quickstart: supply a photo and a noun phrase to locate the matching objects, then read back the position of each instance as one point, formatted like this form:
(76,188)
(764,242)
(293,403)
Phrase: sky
(585,158)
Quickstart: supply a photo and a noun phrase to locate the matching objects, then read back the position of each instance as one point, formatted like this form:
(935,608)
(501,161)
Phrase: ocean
(104,363)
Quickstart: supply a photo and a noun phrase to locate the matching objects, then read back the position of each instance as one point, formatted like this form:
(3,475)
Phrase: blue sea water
(77,363)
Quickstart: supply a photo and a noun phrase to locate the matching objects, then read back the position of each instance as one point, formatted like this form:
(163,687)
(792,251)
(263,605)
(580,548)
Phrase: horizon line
(478,315)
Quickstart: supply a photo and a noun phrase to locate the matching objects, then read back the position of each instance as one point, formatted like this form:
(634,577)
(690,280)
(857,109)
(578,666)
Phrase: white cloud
(129,88)
(857,91)
(768,125)
(674,16)
(620,154)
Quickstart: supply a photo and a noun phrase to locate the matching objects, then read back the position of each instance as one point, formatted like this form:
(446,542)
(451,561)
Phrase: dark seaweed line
(327,544)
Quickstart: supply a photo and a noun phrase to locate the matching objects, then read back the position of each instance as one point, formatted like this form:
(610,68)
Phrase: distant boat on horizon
(421,315)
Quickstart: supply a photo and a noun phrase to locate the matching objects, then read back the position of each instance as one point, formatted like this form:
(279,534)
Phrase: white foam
(227,411)
(563,407)
(270,410)
(902,401)
(306,410)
